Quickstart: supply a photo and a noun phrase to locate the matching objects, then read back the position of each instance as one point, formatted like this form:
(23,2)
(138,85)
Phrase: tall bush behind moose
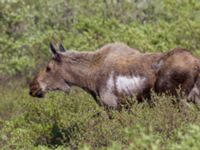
(27,27)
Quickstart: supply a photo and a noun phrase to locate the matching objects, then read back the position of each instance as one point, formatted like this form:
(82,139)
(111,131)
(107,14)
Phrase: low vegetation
(75,121)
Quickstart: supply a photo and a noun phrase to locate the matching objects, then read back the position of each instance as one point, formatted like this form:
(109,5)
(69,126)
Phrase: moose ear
(55,54)
(61,48)
(53,50)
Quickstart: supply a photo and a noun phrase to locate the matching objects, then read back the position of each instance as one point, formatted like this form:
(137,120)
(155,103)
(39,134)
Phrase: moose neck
(82,67)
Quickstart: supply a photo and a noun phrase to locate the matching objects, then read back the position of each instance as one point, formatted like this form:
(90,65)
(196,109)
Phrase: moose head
(51,77)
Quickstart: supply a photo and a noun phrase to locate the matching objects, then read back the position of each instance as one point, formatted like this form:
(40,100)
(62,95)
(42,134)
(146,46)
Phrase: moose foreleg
(109,100)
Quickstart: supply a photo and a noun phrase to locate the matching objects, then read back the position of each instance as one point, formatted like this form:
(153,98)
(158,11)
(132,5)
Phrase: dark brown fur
(177,69)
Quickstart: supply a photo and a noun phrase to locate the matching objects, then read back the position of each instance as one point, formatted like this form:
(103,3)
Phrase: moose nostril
(40,94)
(30,93)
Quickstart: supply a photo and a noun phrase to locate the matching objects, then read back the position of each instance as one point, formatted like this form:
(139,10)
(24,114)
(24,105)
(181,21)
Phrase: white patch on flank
(110,83)
(124,84)
(107,96)
(130,85)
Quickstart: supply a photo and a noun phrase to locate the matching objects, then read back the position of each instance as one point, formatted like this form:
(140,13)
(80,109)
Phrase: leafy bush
(68,121)
(27,27)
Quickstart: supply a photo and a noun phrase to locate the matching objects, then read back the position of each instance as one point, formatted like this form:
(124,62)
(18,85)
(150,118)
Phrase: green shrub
(75,121)
(27,27)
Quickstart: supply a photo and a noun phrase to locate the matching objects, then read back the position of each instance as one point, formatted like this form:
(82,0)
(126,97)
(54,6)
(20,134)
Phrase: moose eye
(48,69)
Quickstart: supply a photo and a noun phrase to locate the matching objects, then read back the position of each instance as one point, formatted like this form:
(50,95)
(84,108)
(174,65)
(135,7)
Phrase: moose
(109,74)
(116,71)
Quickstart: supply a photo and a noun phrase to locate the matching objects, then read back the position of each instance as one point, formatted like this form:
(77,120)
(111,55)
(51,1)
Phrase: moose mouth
(39,94)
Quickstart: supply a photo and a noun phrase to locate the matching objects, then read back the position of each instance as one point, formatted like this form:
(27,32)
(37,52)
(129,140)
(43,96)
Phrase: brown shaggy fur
(177,69)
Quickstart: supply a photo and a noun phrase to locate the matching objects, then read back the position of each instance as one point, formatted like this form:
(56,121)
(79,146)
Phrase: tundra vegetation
(75,121)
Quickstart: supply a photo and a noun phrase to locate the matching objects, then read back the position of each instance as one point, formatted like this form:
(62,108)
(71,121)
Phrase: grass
(75,121)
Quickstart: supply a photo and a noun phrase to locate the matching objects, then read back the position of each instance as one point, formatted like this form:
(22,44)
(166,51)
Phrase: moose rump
(179,69)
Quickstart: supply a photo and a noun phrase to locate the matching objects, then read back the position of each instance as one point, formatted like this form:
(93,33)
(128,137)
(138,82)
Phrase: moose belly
(130,85)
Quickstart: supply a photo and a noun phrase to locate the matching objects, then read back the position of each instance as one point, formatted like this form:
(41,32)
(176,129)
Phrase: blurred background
(27,27)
